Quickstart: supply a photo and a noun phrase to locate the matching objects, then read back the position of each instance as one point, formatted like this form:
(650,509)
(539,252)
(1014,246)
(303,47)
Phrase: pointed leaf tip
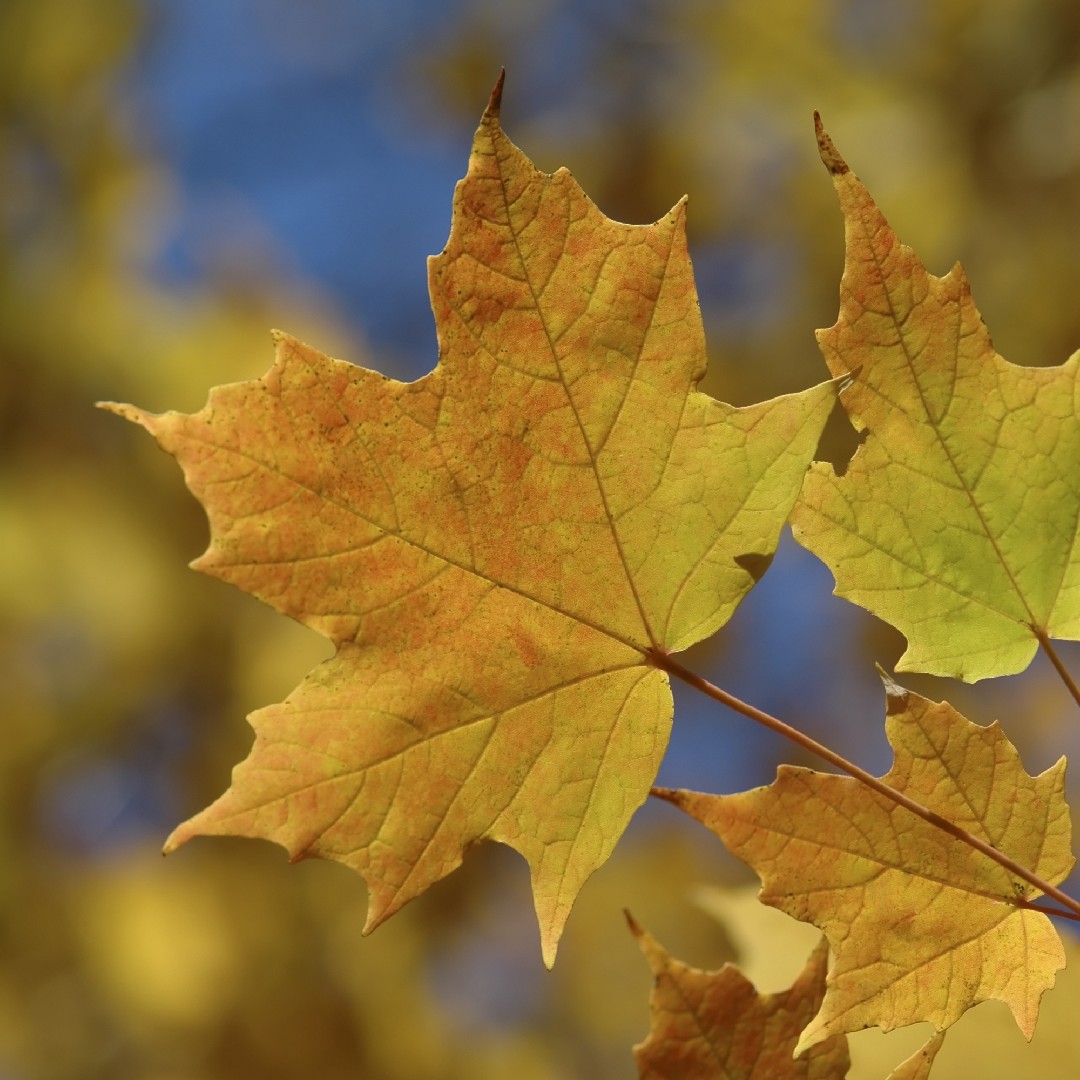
(128,412)
(830,156)
(494,104)
(895,694)
(549,946)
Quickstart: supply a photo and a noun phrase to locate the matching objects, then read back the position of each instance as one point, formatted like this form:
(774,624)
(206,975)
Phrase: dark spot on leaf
(754,564)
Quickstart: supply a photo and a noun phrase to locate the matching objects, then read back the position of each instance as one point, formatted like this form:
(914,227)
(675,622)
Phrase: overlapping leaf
(957,520)
(496,550)
(918,1065)
(709,1024)
(767,944)
(921,925)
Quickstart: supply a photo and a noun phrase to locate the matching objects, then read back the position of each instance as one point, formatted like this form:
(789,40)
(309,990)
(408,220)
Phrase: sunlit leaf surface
(496,549)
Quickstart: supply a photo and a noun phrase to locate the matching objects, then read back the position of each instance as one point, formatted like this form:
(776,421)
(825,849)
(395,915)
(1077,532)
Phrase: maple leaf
(498,550)
(715,1023)
(922,926)
(957,519)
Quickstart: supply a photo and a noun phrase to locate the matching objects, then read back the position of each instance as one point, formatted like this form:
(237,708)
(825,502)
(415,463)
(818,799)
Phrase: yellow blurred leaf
(159,945)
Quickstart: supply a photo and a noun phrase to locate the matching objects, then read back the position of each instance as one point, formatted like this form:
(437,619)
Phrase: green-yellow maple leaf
(708,1024)
(957,520)
(497,550)
(922,926)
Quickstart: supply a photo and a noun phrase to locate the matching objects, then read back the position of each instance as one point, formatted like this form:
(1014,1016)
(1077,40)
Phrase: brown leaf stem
(1048,647)
(673,667)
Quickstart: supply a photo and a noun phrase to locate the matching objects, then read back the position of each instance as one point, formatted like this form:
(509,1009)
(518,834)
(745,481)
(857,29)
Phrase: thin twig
(1030,905)
(673,667)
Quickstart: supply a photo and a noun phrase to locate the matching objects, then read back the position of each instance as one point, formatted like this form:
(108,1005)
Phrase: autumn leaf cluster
(508,553)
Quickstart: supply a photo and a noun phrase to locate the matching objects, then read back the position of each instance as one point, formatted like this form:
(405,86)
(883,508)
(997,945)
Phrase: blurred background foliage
(178,177)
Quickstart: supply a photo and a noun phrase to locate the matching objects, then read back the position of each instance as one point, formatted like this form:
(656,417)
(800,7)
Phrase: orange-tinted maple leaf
(957,520)
(496,549)
(921,924)
(709,1024)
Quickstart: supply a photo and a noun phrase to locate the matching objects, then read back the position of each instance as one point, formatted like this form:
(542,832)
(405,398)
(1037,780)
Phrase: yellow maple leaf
(957,519)
(498,550)
(922,926)
(707,1024)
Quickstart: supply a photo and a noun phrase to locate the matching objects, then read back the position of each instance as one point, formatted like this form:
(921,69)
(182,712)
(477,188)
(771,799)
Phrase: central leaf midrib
(646,626)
